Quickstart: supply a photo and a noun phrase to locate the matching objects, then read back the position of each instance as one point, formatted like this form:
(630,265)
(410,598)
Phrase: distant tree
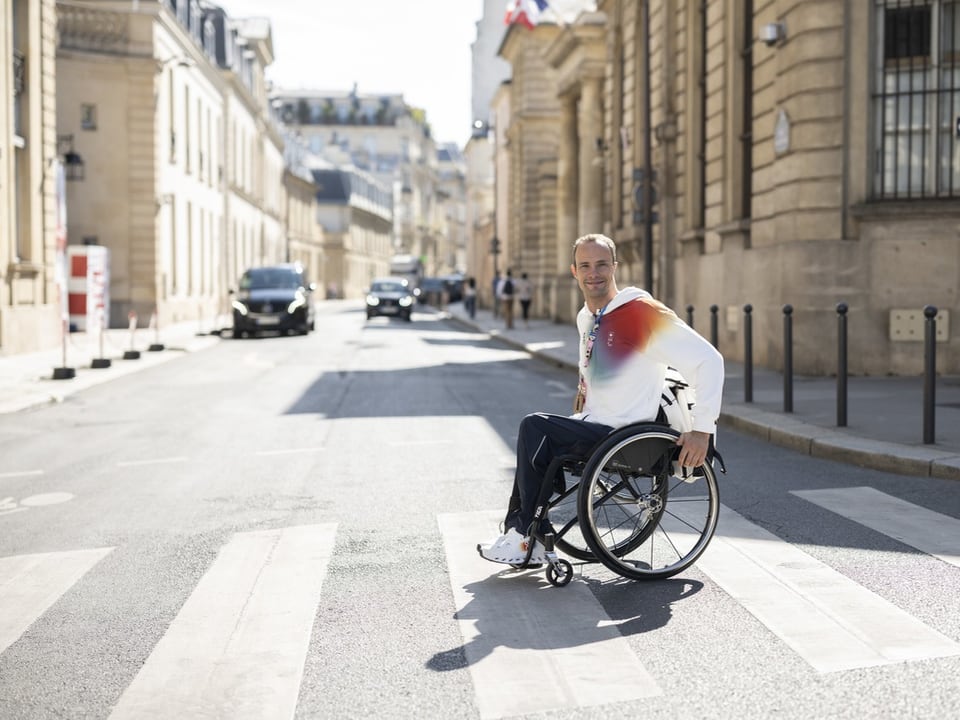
(383,111)
(329,112)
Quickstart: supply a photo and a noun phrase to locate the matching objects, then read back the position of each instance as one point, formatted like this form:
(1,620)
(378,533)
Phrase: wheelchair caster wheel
(562,576)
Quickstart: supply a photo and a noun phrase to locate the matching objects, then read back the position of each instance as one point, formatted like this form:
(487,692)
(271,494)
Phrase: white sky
(420,48)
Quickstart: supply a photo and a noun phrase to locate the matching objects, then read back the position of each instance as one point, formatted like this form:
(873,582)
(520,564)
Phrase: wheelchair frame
(633,514)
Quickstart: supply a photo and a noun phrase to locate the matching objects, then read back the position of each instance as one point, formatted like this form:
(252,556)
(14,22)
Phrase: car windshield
(269,279)
(388,287)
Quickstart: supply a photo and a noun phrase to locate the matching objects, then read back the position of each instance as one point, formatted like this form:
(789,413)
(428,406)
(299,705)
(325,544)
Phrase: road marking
(238,646)
(291,451)
(53,498)
(533,648)
(31,584)
(21,473)
(151,461)
(925,530)
(829,620)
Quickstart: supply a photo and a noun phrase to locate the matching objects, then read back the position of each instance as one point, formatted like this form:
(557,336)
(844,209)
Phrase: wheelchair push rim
(639,520)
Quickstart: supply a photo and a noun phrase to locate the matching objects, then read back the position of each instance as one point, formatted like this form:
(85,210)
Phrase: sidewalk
(26,379)
(884,427)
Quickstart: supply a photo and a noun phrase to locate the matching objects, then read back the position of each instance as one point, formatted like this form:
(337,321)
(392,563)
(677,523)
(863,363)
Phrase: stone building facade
(167,104)
(380,135)
(30,316)
(356,213)
(797,153)
(305,236)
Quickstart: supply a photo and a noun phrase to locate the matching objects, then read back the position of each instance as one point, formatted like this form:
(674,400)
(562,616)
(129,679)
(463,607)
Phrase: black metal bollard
(690,315)
(747,353)
(929,373)
(841,364)
(788,358)
(713,325)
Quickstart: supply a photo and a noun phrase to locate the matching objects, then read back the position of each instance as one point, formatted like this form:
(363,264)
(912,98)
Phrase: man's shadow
(633,607)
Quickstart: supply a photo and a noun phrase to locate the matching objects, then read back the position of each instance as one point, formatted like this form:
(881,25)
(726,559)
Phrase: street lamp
(72,162)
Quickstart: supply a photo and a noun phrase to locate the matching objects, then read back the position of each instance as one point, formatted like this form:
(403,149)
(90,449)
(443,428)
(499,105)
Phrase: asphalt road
(285,527)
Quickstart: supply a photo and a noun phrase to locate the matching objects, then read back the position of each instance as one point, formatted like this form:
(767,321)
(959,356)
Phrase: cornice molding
(587,35)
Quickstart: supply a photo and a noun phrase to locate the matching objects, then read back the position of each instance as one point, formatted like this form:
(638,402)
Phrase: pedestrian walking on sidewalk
(627,341)
(470,297)
(507,293)
(524,288)
(497,282)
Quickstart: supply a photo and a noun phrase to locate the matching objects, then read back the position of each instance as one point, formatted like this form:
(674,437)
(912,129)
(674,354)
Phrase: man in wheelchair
(628,340)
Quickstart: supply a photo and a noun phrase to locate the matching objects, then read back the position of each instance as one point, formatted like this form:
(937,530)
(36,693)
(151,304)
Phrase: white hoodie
(637,338)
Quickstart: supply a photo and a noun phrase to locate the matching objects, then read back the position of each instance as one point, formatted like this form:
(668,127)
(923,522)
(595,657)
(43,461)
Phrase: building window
(186,130)
(88,116)
(917,99)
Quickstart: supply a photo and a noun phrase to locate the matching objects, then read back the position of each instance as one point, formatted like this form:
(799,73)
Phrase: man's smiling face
(594,269)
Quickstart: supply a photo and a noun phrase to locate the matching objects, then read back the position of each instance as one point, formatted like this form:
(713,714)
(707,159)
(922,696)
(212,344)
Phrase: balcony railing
(91,29)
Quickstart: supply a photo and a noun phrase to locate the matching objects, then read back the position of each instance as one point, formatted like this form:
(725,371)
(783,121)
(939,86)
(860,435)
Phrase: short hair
(597,238)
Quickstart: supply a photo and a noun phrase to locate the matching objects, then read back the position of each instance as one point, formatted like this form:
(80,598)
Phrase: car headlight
(373,300)
(406,301)
(239,307)
(298,302)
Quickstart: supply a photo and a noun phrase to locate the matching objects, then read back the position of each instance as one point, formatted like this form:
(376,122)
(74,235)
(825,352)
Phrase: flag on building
(525,12)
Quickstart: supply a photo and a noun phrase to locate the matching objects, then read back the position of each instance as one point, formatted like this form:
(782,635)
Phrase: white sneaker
(511,548)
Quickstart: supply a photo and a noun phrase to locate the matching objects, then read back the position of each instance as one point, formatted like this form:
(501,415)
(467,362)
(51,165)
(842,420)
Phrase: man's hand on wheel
(693,448)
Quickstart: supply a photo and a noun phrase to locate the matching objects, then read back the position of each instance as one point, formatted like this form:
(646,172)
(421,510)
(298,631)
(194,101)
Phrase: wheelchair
(628,506)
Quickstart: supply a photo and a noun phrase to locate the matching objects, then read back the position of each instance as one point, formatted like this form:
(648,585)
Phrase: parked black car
(390,296)
(277,298)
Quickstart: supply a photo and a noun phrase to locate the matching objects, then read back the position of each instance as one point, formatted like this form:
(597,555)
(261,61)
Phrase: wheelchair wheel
(636,518)
(560,576)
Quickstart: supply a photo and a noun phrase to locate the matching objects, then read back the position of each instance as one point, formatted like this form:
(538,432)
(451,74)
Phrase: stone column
(567,185)
(590,195)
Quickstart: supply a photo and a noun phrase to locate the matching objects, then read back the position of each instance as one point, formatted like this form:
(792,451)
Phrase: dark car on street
(391,296)
(275,298)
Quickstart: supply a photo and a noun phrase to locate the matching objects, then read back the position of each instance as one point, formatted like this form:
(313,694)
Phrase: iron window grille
(917,99)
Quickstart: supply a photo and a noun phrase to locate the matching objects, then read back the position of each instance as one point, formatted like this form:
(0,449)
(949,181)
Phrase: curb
(839,446)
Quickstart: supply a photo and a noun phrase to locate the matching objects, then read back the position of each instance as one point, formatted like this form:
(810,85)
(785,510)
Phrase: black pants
(542,437)
(525,307)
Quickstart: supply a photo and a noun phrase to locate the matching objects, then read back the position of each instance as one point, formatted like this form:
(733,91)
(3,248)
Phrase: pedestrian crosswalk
(30,584)
(529,656)
(829,620)
(238,646)
(928,531)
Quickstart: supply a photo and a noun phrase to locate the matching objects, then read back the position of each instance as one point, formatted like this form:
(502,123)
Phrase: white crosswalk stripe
(532,648)
(928,531)
(237,647)
(31,584)
(829,620)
